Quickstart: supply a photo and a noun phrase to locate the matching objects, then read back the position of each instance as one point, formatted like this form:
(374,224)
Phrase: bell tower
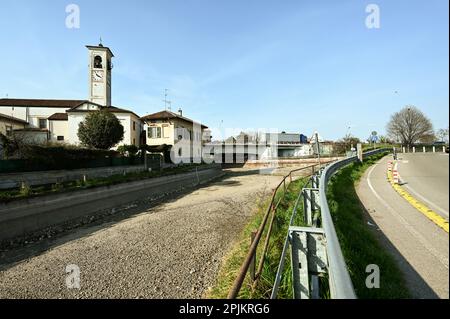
(100,67)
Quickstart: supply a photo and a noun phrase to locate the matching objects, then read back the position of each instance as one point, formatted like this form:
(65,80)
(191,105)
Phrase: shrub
(128,150)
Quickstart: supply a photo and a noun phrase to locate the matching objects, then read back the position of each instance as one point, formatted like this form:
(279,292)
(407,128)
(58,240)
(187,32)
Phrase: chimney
(180,112)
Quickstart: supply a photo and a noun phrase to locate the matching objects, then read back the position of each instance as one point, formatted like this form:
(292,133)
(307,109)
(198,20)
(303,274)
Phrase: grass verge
(232,262)
(358,240)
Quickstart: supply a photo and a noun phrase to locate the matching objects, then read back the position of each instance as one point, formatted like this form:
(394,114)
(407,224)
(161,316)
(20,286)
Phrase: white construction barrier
(395,174)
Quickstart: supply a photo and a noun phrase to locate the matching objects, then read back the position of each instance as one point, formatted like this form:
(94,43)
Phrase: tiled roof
(112,109)
(12,119)
(167,115)
(59,117)
(41,103)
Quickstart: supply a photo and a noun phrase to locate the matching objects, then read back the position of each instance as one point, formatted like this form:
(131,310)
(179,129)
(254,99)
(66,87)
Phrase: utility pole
(318,148)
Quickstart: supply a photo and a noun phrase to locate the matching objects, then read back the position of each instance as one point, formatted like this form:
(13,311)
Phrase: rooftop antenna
(167,102)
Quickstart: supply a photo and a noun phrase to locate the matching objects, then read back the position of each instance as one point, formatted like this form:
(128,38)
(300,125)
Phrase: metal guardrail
(340,283)
(341,286)
(251,255)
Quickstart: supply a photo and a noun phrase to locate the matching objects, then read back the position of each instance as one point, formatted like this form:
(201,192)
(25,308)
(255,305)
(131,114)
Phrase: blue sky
(293,65)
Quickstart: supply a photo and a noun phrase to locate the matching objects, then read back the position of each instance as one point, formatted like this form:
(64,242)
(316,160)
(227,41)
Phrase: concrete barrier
(20,217)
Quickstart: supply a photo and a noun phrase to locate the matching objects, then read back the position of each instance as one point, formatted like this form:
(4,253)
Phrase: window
(60,138)
(134,126)
(42,123)
(98,62)
(134,141)
(154,132)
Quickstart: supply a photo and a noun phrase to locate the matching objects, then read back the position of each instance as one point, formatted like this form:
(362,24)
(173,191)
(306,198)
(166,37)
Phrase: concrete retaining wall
(12,180)
(21,217)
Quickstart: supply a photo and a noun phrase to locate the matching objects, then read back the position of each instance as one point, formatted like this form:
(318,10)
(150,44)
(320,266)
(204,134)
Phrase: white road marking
(408,226)
(436,207)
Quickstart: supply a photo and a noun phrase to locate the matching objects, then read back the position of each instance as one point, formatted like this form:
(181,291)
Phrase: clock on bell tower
(100,67)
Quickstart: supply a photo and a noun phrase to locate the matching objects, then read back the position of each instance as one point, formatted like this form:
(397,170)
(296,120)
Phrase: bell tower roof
(100,47)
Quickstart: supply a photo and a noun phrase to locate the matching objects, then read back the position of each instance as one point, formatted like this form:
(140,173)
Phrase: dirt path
(172,250)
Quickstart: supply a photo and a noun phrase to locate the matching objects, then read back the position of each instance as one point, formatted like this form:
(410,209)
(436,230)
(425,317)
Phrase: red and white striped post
(390,166)
(395,174)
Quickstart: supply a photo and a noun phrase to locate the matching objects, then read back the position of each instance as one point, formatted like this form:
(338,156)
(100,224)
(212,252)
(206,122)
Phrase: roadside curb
(421,207)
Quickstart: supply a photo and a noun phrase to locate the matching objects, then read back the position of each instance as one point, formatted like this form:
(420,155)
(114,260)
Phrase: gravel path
(172,250)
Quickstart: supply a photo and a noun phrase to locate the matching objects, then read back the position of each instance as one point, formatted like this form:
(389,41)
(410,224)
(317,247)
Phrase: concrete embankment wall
(12,180)
(20,217)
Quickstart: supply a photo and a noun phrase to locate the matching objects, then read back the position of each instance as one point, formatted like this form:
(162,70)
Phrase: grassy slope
(234,259)
(358,240)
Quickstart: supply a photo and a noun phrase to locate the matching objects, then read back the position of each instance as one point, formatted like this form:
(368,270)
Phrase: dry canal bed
(171,250)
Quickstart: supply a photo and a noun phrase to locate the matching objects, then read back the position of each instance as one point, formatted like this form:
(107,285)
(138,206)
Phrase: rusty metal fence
(250,260)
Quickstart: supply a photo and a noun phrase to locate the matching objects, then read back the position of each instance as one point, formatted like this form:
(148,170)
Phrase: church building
(46,120)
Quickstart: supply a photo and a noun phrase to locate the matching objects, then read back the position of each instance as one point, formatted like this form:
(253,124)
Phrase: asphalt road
(419,246)
(426,178)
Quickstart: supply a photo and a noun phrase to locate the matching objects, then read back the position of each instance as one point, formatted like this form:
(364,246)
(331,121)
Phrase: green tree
(101,129)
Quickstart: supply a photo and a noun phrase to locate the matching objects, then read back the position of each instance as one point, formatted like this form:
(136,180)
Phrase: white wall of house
(74,119)
(59,129)
(31,114)
(132,132)
(131,136)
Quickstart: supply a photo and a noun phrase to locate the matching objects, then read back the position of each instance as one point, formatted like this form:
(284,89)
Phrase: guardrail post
(310,204)
(308,260)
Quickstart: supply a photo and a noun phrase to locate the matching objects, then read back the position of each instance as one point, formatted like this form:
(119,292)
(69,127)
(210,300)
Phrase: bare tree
(345,144)
(442,134)
(410,126)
